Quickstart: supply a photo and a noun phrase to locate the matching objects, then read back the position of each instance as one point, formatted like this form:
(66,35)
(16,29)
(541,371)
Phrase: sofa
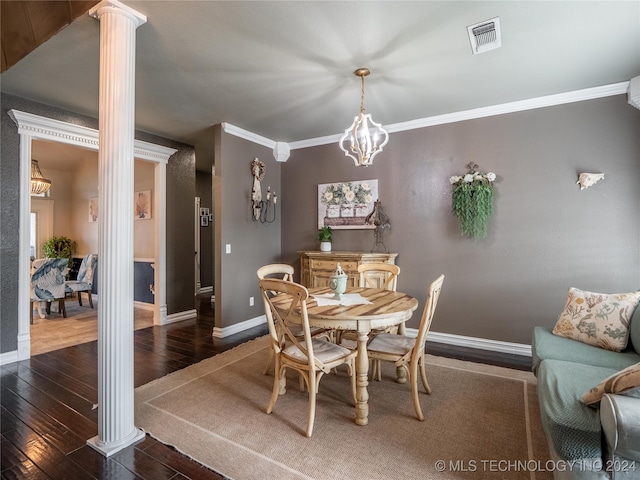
(600,441)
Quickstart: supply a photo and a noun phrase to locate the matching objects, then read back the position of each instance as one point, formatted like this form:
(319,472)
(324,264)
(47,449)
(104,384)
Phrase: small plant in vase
(325,236)
(472,201)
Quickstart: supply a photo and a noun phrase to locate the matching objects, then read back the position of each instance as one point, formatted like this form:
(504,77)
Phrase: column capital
(114,6)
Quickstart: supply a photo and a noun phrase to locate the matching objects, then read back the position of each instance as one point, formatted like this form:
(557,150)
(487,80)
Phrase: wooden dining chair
(310,356)
(375,275)
(407,352)
(284,271)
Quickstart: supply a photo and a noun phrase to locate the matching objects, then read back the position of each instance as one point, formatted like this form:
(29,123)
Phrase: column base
(109,448)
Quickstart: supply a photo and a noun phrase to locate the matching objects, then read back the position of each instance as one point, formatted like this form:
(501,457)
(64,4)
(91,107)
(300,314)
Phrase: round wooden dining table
(387,309)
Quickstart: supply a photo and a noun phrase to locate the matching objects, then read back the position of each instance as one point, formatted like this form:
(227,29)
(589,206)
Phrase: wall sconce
(378,218)
(585,180)
(263,211)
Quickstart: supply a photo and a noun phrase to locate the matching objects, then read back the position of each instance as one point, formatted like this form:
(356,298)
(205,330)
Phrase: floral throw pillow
(597,319)
(619,382)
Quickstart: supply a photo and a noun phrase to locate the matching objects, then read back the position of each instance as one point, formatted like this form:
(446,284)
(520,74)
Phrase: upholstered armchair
(84,282)
(48,282)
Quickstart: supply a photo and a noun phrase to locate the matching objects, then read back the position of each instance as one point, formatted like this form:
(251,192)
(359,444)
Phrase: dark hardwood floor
(47,411)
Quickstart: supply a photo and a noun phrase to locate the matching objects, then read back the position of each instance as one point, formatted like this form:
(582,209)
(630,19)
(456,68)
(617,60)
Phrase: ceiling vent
(485,36)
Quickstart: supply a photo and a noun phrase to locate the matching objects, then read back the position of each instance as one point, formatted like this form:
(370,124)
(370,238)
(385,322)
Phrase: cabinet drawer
(331,265)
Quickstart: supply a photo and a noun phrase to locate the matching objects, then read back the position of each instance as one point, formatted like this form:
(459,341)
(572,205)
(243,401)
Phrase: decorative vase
(325,246)
(346,211)
(333,211)
(361,210)
(338,282)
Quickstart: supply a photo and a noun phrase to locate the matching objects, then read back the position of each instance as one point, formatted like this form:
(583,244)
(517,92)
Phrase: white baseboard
(8,357)
(475,342)
(179,316)
(239,327)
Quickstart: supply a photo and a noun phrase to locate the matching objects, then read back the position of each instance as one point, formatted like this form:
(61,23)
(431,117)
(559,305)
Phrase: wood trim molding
(35,127)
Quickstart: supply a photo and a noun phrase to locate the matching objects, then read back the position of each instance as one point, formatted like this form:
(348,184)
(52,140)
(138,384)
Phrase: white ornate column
(116,429)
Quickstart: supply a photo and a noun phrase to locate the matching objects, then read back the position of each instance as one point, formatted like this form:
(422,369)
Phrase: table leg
(362,380)
(401,373)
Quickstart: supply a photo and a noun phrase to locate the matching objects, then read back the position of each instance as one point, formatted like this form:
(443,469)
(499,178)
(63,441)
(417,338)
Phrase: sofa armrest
(620,419)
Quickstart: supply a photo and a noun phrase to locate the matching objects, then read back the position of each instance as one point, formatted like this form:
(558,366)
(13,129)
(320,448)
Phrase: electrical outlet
(228,248)
(251,301)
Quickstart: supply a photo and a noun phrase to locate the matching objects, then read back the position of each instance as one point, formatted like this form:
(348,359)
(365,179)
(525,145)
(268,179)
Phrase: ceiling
(284,70)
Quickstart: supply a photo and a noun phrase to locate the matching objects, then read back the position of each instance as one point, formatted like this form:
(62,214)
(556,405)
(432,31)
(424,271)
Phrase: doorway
(34,127)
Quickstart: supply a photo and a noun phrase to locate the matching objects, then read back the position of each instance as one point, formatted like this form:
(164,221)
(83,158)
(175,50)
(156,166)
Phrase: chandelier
(365,138)
(39,184)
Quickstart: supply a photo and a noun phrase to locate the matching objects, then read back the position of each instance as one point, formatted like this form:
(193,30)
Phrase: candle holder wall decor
(472,201)
(263,211)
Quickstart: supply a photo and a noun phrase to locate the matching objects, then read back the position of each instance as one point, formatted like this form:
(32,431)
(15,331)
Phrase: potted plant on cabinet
(325,237)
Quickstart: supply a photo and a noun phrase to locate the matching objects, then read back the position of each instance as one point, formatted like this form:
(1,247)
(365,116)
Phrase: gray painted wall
(180,193)
(545,235)
(252,244)
(204,191)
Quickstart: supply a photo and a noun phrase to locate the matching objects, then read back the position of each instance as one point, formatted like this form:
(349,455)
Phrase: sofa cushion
(634,331)
(598,319)
(571,426)
(620,382)
(545,346)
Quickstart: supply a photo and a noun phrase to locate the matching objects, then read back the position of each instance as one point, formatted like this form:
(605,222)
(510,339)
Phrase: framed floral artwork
(142,205)
(345,205)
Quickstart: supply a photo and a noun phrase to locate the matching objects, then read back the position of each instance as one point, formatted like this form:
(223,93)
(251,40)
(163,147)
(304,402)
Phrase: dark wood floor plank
(87,392)
(45,456)
(144,465)
(10,456)
(55,390)
(55,433)
(101,467)
(68,417)
(24,471)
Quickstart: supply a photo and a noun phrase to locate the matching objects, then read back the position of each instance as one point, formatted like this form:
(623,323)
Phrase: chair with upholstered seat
(47,283)
(84,281)
(311,357)
(283,271)
(407,352)
(375,275)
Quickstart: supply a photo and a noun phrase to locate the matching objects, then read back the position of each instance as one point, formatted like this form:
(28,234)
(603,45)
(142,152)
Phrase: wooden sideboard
(316,267)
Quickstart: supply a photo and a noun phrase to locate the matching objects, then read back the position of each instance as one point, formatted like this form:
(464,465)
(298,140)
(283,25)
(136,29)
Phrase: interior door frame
(44,225)
(34,127)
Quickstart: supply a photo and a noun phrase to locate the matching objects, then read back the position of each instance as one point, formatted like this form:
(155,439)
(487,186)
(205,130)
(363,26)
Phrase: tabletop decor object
(472,201)
(338,282)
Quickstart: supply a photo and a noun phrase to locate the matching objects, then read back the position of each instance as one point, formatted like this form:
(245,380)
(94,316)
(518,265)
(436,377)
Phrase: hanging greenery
(472,201)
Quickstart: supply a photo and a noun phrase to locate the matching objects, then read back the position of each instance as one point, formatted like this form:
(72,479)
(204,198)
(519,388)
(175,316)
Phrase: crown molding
(57,131)
(247,135)
(512,107)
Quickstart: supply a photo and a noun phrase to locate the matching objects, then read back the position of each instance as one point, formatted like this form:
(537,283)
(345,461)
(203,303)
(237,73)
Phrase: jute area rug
(481,422)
